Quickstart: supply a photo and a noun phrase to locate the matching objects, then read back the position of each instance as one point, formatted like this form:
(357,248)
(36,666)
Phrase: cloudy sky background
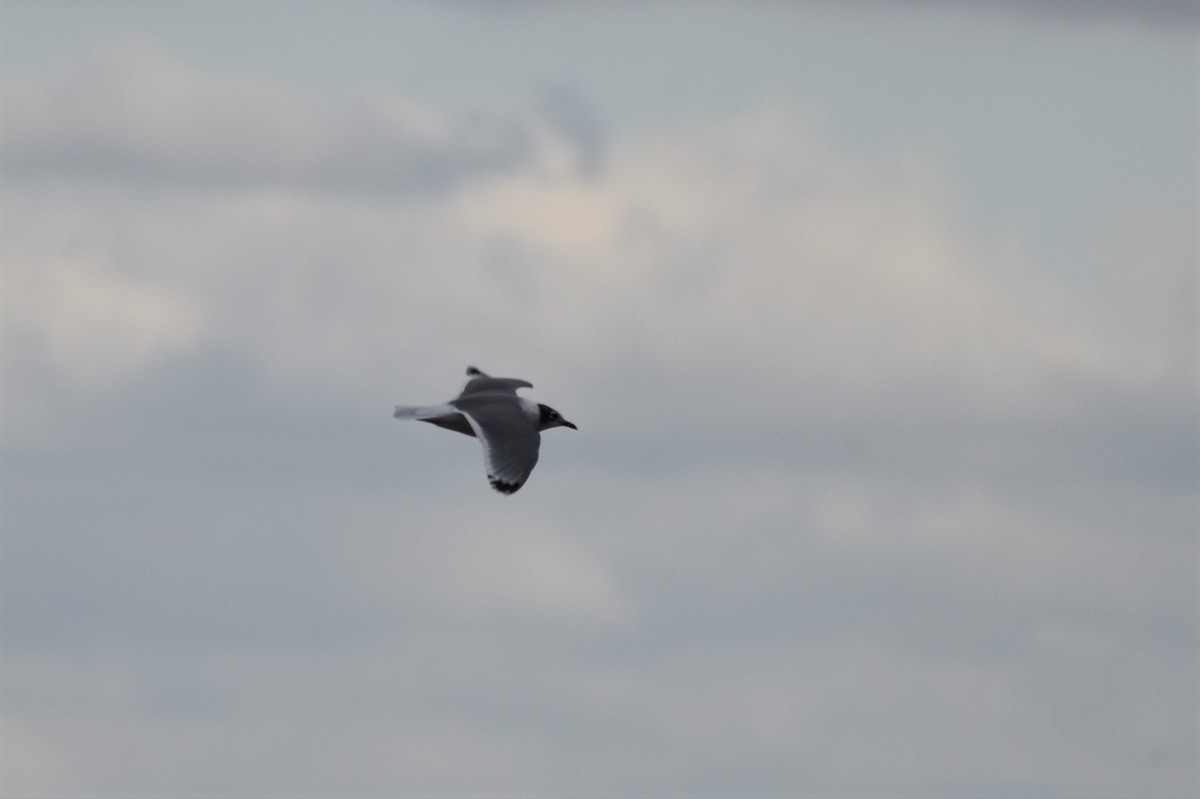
(878,321)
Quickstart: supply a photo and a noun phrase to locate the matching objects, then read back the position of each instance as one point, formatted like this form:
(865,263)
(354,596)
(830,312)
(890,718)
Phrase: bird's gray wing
(508,385)
(510,441)
(478,381)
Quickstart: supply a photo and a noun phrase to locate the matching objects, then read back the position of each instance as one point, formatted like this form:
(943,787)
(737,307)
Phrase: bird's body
(509,427)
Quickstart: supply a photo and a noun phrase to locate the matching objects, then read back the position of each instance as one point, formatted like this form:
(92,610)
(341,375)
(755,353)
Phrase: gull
(509,427)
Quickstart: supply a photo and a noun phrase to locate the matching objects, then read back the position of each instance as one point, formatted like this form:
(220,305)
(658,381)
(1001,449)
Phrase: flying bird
(509,427)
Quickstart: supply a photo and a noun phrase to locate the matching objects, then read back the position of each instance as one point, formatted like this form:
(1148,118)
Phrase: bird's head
(552,418)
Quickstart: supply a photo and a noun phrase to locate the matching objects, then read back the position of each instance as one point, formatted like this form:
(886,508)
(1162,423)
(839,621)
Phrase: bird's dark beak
(565,423)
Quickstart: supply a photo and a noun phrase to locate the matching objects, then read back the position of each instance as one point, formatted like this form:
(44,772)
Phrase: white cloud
(139,116)
(32,761)
(95,326)
(749,255)
(457,568)
(743,256)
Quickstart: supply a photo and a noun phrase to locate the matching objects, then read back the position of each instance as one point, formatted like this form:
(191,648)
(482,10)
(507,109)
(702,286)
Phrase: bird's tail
(423,412)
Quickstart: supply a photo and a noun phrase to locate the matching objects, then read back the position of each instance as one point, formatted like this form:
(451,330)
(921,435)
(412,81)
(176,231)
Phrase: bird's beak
(565,423)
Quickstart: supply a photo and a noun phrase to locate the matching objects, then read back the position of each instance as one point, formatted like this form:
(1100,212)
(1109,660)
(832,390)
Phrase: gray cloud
(138,116)
(273,566)
(1152,12)
(858,504)
(1155,11)
(572,114)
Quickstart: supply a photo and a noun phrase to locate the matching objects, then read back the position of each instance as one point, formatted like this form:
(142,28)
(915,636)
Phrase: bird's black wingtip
(503,486)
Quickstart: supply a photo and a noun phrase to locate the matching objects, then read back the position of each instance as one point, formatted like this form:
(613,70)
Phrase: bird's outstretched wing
(510,440)
(478,381)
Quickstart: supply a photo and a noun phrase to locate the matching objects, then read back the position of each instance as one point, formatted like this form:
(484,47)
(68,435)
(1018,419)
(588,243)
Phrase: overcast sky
(878,321)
